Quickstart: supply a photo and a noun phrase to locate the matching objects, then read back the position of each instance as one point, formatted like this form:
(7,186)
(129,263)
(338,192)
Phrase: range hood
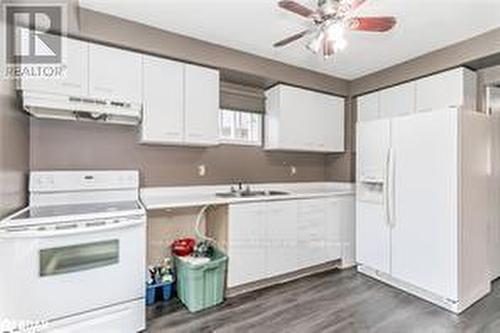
(54,106)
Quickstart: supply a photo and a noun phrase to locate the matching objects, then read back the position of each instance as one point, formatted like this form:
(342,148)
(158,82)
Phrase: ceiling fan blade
(376,24)
(296,8)
(290,39)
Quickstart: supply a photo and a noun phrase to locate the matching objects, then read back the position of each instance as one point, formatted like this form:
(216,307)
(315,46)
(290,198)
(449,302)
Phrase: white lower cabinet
(311,233)
(281,224)
(268,239)
(246,238)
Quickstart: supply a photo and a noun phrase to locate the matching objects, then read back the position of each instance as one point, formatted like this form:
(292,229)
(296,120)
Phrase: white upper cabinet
(303,120)
(201,98)
(369,106)
(332,123)
(115,74)
(398,100)
(75,79)
(453,88)
(180,103)
(163,101)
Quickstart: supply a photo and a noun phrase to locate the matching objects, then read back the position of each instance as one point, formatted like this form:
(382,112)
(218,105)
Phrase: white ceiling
(254,25)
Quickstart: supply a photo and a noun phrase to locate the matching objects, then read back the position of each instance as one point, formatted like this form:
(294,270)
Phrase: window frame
(240,142)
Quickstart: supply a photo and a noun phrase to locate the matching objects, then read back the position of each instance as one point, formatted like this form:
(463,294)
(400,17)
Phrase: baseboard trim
(238,290)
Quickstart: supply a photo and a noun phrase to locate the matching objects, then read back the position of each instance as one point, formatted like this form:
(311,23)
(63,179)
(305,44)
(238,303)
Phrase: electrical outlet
(202,170)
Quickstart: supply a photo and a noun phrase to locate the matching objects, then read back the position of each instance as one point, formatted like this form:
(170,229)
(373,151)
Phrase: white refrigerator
(422,202)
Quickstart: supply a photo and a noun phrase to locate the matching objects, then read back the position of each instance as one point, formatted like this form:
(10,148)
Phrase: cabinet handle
(70,84)
(172,133)
(103,89)
(195,135)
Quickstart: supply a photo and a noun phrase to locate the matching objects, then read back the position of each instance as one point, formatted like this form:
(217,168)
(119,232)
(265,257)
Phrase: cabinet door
(333,223)
(201,105)
(114,74)
(163,101)
(425,233)
(348,230)
(311,233)
(332,123)
(75,80)
(368,107)
(281,219)
(295,111)
(247,246)
(454,88)
(398,100)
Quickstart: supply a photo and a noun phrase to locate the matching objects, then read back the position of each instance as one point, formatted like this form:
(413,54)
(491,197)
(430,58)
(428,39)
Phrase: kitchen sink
(247,194)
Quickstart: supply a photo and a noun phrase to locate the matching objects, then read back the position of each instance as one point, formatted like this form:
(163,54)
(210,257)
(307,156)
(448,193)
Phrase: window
(239,127)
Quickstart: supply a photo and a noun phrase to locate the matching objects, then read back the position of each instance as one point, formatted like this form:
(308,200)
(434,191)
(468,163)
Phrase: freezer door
(373,237)
(373,142)
(372,229)
(425,198)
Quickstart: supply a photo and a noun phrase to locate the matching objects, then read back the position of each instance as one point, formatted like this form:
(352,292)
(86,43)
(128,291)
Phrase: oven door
(49,275)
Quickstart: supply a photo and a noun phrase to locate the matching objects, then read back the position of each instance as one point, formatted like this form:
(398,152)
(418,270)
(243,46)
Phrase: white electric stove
(74,260)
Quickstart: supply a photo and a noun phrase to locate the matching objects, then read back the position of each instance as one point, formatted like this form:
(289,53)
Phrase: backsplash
(61,145)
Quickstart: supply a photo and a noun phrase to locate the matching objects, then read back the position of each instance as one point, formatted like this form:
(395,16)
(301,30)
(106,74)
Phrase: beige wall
(71,145)
(14,148)
(14,153)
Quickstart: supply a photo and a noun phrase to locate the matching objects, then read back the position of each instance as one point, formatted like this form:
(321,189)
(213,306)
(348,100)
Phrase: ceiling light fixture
(315,44)
(331,19)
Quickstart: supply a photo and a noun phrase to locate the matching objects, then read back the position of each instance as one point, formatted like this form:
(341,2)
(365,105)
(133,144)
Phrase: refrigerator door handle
(385,188)
(391,189)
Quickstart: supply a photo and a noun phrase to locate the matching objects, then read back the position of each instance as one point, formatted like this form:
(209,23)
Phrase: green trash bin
(201,286)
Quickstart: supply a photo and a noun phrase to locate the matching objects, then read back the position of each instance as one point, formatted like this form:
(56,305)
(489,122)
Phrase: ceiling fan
(331,19)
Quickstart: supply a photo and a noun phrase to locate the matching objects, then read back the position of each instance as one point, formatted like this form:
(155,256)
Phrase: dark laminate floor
(336,301)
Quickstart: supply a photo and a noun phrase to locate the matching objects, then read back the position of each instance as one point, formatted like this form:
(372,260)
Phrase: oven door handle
(79,230)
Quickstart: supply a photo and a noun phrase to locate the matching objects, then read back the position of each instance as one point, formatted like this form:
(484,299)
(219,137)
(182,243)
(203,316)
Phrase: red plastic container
(183,247)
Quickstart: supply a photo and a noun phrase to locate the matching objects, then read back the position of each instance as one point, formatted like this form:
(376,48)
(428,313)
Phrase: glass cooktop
(76,209)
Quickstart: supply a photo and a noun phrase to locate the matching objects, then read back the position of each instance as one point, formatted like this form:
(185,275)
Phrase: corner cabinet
(180,103)
(303,120)
(452,88)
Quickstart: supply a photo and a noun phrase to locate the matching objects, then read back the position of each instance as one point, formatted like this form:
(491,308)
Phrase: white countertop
(192,196)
